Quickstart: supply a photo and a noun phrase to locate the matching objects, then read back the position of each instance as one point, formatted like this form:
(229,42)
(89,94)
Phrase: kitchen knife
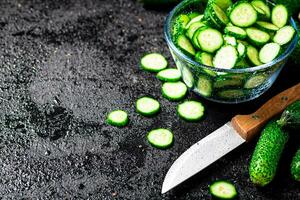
(242,128)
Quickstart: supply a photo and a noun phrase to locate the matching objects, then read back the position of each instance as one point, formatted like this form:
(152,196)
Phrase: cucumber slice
(117,118)
(269,52)
(206,59)
(190,110)
(185,44)
(194,20)
(242,64)
(280,15)
(229,40)
(252,55)
(147,106)
(193,15)
(169,75)
(174,91)
(241,50)
(223,190)
(226,57)
(187,77)
(193,28)
(284,35)
(231,94)
(266,26)
(153,62)
(236,32)
(223,4)
(195,37)
(223,82)
(255,81)
(260,13)
(262,6)
(160,138)
(179,25)
(257,37)
(204,86)
(219,15)
(210,40)
(243,14)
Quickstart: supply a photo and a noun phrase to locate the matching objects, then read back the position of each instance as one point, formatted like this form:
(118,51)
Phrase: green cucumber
(187,77)
(195,37)
(224,82)
(284,35)
(231,94)
(193,28)
(226,57)
(280,15)
(223,190)
(290,118)
(184,44)
(242,14)
(210,40)
(295,166)
(269,52)
(207,60)
(236,32)
(160,138)
(257,37)
(229,40)
(255,81)
(174,91)
(169,75)
(223,4)
(267,153)
(194,20)
(190,110)
(261,5)
(153,62)
(253,55)
(204,86)
(266,26)
(117,118)
(218,15)
(147,106)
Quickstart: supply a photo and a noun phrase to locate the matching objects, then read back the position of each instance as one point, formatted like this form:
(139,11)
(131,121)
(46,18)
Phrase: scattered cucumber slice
(280,15)
(160,138)
(204,86)
(236,32)
(190,110)
(223,190)
(269,52)
(284,35)
(153,62)
(258,37)
(210,40)
(147,106)
(226,57)
(243,14)
(117,118)
(174,91)
(255,81)
(169,75)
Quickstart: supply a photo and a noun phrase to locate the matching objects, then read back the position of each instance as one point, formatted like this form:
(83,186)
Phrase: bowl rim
(179,53)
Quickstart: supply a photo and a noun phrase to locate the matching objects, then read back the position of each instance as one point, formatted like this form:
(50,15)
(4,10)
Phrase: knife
(241,129)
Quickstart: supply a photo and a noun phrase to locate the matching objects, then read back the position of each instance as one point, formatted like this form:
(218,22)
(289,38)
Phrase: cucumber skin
(263,165)
(290,118)
(295,166)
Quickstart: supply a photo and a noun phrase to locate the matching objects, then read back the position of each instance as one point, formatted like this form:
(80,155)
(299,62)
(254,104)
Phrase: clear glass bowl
(230,86)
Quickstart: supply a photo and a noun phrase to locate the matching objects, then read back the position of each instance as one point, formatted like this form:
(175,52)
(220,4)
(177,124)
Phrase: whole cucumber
(267,154)
(295,166)
(290,118)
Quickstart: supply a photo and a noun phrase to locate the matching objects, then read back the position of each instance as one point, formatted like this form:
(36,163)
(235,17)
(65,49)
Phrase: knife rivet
(284,98)
(255,116)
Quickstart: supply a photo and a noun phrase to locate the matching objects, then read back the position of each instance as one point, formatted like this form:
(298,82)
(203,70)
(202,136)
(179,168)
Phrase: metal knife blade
(202,154)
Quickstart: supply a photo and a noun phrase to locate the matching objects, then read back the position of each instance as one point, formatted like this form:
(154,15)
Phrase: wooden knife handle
(250,125)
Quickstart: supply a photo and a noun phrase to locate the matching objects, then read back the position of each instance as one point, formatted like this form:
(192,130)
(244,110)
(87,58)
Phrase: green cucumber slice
(179,25)
(255,81)
(223,4)
(187,77)
(280,15)
(219,15)
(269,52)
(194,20)
(153,62)
(253,56)
(223,190)
(210,40)
(257,37)
(262,6)
(284,35)
(190,110)
(174,91)
(160,138)
(193,28)
(225,82)
(117,118)
(204,86)
(241,50)
(185,44)
(169,75)
(231,94)
(243,14)
(226,57)
(229,40)
(147,106)
(267,26)
(236,32)
(195,37)
(206,59)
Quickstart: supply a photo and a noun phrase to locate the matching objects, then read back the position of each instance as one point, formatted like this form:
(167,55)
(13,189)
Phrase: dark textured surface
(64,65)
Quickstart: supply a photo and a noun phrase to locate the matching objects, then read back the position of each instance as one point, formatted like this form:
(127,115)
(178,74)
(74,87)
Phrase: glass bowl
(229,86)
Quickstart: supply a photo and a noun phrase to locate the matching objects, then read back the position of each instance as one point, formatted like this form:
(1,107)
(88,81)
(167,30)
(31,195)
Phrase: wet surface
(64,65)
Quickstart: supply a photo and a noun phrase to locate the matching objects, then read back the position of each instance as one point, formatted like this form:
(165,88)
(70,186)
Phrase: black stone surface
(63,66)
